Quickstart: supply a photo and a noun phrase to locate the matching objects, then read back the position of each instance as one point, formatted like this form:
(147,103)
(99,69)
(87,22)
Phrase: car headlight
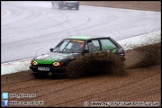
(57,63)
(34,63)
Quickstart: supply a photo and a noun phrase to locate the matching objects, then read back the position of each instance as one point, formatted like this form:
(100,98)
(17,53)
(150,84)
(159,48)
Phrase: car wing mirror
(51,49)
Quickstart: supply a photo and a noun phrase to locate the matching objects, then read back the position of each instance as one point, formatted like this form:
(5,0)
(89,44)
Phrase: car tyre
(77,8)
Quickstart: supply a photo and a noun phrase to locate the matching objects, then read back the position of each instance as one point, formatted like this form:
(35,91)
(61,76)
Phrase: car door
(93,46)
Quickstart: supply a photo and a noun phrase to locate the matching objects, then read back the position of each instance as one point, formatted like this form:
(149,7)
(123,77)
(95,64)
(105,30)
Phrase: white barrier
(146,39)
(16,66)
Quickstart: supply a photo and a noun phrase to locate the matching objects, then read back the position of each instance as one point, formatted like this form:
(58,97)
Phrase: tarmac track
(31,28)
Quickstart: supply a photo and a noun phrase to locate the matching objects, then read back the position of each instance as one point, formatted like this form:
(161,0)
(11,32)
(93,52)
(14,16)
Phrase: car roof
(86,37)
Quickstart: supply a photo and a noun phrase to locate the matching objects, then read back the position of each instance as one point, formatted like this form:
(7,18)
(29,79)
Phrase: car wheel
(77,8)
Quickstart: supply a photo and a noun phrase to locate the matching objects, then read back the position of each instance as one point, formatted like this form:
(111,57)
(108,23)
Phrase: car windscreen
(70,46)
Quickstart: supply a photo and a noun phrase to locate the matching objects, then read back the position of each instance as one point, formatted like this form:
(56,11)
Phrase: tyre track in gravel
(113,92)
(110,94)
(102,95)
(46,84)
(48,94)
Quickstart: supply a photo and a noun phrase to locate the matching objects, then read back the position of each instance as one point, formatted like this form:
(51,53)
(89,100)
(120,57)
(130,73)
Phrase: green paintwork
(65,55)
(44,61)
(114,51)
(107,47)
(51,59)
(80,37)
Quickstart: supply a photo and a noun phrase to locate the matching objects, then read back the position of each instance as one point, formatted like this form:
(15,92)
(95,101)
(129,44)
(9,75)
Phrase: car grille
(44,65)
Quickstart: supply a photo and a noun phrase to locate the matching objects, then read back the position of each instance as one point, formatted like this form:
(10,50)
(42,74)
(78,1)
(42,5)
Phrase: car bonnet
(49,58)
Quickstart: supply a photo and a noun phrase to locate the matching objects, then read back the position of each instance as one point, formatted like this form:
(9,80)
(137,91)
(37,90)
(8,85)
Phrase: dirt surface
(138,85)
(135,5)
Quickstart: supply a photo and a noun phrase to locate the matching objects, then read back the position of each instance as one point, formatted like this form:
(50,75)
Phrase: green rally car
(56,61)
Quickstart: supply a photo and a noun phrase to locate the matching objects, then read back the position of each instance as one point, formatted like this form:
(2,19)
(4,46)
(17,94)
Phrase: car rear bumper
(71,5)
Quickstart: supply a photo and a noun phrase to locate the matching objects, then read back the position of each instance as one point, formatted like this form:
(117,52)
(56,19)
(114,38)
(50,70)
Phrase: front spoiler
(53,70)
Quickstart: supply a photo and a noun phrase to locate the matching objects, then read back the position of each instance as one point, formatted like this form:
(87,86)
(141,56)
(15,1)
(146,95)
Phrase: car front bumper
(52,70)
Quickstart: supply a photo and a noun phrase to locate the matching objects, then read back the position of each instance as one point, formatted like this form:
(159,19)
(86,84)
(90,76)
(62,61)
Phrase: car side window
(94,46)
(107,44)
